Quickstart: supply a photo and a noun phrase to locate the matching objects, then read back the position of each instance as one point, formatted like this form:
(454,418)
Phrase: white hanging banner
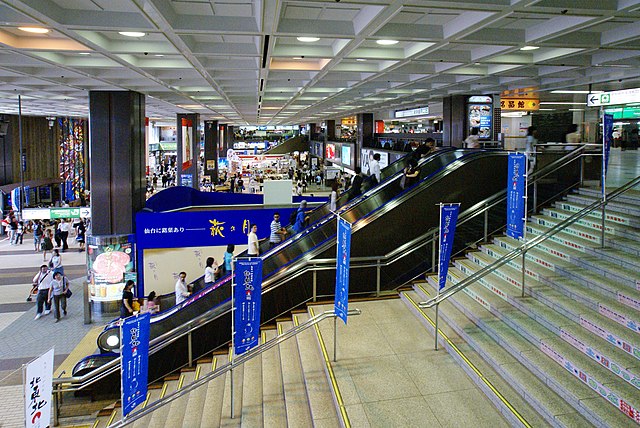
(38,390)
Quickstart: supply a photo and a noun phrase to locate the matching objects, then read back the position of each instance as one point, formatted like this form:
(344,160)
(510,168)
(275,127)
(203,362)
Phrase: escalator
(383,219)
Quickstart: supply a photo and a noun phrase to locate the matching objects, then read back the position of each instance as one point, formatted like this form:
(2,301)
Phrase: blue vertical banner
(343,259)
(448,220)
(134,349)
(607,137)
(247,300)
(515,195)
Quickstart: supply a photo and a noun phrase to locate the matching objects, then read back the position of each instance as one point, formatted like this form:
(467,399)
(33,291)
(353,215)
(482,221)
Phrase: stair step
(252,412)
(152,395)
(589,237)
(564,378)
(178,406)
(612,216)
(215,392)
(323,410)
(159,416)
(613,255)
(296,399)
(618,206)
(273,406)
(196,398)
(532,390)
(612,229)
(631,196)
(567,240)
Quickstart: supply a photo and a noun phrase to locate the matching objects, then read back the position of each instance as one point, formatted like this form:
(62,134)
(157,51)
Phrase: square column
(188,139)
(211,150)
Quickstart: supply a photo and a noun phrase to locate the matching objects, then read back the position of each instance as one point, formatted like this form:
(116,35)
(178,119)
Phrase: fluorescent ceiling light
(297,57)
(360,59)
(562,103)
(132,33)
(547,109)
(159,55)
(84,53)
(37,30)
(308,39)
(529,48)
(576,109)
(385,42)
(574,92)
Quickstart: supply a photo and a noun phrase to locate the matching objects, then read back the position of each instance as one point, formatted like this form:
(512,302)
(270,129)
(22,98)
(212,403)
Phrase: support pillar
(188,139)
(331,130)
(364,138)
(211,150)
(117,163)
(228,141)
(453,121)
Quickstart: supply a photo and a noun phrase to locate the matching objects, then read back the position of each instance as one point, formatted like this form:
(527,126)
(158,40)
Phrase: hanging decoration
(71,136)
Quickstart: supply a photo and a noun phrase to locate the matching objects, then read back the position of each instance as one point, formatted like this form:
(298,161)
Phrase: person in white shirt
(374,167)
(43,280)
(182,292)
(254,247)
(334,197)
(473,141)
(211,272)
(65,227)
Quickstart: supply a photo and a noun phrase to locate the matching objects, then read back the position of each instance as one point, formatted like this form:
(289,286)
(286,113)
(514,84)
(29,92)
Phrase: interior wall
(38,144)
(162,265)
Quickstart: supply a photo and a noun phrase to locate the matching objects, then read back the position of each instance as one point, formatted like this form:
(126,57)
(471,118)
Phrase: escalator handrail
(522,249)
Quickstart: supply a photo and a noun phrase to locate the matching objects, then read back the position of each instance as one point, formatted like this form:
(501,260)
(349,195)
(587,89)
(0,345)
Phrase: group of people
(212,272)
(52,290)
(129,305)
(45,232)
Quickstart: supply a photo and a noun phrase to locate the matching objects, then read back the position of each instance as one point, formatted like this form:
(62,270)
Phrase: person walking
(55,264)
(181,290)
(530,148)
(38,233)
(374,167)
(47,243)
(43,280)
(301,218)
(211,272)
(278,232)
(58,291)
(334,196)
(65,227)
(473,140)
(254,245)
(126,304)
(81,229)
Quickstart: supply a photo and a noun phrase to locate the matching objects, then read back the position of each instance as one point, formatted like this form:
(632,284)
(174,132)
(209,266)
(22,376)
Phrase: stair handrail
(235,362)
(160,342)
(522,249)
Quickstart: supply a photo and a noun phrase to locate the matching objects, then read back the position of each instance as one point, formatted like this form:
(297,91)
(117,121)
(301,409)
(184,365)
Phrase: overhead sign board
(420,111)
(624,96)
(482,99)
(519,104)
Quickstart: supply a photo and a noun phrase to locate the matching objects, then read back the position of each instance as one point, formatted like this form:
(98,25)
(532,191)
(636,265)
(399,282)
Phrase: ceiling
(239,61)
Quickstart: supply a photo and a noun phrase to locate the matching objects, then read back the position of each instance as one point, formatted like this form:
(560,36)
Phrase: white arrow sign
(85,212)
(624,96)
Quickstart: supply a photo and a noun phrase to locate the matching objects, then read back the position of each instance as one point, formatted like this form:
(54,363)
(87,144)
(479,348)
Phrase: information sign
(343,258)
(515,195)
(37,391)
(448,220)
(247,299)
(134,369)
(624,96)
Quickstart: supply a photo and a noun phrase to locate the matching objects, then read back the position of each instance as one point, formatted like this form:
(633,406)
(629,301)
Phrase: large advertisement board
(134,369)
(343,258)
(247,299)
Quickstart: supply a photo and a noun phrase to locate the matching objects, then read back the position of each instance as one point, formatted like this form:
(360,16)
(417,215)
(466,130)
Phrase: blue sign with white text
(608,136)
(515,195)
(448,221)
(343,258)
(247,296)
(134,350)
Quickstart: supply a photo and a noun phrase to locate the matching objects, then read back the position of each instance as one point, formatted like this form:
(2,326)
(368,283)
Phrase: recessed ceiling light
(84,53)
(529,48)
(132,33)
(360,59)
(385,42)
(308,39)
(159,55)
(36,30)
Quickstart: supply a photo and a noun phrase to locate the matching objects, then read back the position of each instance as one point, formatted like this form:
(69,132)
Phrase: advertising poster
(106,268)
(448,220)
(37,391)
(186,144)
(343,258)
(367,156)
(134,350)
(186,180)
(331,151)
(515,195)
(480,116)
(247,298)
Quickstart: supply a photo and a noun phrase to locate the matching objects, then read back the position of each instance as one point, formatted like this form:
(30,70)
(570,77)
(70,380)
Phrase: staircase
(284,386)
(571,347)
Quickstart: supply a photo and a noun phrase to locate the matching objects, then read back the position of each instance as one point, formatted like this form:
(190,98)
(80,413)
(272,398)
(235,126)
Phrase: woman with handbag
(47,243)
(56,262)
(58,291)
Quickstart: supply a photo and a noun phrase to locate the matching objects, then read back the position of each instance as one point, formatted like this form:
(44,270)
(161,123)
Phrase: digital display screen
(331,151)
(480,117)
(346,155)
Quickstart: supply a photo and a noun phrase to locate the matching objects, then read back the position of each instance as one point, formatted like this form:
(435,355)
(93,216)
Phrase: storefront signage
(624,112)
(349,121)
(519,104)
(419,111)
(482,99)
(625,96)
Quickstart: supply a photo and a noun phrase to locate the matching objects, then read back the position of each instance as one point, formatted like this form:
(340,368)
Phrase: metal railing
(235,362)
(430,237)
(522,249)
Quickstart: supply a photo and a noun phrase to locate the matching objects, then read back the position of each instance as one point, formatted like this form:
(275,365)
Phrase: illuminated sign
(625,96)
(420,111)
(480,99)
(519,104)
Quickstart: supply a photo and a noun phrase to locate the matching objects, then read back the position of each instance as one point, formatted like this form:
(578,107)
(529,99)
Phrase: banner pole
(524,219)
(233,347)
(604,176)
(438,294)
(335,337)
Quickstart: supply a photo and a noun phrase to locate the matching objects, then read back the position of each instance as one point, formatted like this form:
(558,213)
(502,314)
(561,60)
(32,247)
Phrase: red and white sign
(38,391)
